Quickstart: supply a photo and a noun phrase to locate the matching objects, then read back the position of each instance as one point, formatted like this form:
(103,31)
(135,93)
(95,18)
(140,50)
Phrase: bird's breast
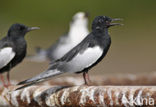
(20,49)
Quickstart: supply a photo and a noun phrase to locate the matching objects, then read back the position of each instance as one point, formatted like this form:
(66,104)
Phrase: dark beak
(32,28)
(117,19)
(114,24)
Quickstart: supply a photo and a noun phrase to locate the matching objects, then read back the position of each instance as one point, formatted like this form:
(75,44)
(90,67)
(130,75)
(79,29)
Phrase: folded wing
(6,55)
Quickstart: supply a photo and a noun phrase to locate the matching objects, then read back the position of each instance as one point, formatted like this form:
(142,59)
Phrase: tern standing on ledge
(13,49)
(77,32)
(82,57)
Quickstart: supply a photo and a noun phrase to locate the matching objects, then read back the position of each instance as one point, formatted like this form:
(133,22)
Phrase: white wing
(6,55)
(78,63)
(85,59)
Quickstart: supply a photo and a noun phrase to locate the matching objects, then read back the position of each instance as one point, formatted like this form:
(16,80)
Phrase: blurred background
(133,45)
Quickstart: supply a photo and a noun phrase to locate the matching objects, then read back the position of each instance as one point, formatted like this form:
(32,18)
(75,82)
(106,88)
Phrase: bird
(82,57)
(13,49)
(78,30)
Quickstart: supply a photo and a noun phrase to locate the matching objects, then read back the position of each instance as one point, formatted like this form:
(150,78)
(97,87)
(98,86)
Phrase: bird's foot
(5,85)
(9,83)
(88,83)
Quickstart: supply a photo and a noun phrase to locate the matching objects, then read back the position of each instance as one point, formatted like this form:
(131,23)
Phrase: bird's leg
(2,79)
(86,78)
(8,78)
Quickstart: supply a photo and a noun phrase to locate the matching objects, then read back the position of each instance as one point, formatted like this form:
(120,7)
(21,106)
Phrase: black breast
(20,49)
(104,43)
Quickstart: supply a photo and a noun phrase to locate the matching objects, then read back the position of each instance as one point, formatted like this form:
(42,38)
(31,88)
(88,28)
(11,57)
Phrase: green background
(133,45)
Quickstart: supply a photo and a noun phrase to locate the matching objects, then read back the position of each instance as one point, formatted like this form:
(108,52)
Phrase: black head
(19,30)
(102,22)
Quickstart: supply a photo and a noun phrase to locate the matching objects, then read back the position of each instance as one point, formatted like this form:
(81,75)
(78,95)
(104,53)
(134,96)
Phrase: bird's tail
(39,78)
(40,55)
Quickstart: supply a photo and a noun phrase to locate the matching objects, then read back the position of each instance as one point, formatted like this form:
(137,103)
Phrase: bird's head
(80,19)
(19,30)
(102,22)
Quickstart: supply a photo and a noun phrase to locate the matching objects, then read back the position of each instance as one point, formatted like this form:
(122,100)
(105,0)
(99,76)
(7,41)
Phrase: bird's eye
(100,21)
(104,17)
(107,22)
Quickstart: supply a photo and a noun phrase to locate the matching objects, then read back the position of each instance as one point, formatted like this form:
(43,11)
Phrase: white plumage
(78,31)
(85,59)
(6,55)
(78,63)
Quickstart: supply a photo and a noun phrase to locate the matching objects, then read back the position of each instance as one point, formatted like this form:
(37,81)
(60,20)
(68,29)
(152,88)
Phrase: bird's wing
(6,55)
(62,40)
(79,58)
(87,43)
(82,60)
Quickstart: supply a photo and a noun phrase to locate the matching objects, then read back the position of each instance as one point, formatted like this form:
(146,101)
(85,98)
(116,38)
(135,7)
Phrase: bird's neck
(105,31)
(17,39)
(77,33)
(103,39)
(78,26)
(101,31)
(79,23)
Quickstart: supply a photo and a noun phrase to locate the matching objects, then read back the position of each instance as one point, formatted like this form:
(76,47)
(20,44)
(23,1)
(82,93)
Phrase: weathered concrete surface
(35,96)
(70,91)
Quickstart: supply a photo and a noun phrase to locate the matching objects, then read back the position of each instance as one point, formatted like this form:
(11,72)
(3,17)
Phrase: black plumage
(13,48)
(82,57)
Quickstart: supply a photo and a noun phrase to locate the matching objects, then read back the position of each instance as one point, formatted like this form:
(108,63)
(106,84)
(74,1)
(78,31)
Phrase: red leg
(86,78)
(2,79)
(8,78)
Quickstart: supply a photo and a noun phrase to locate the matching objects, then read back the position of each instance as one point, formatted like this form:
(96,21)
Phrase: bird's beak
(32,28)
(117,19)
(114,24)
